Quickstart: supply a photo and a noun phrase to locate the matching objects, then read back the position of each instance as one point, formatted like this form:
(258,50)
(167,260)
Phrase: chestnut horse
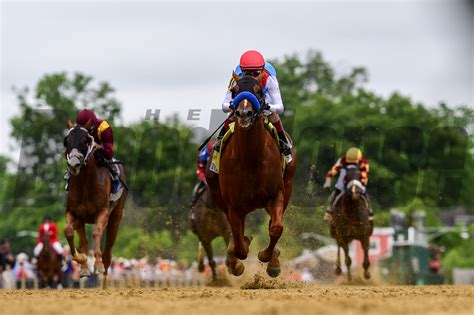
(250,177)
(49,265)
(208,223)
(88,201)
(351,221)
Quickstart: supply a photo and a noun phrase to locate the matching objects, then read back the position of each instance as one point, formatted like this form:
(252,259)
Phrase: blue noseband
(248,96)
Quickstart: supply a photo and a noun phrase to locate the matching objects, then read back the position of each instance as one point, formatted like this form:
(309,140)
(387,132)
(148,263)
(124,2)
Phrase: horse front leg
(338,261)
(366,264)
(275,228)
(71,225)
(84,246)
(345,247)
(97,232)
(238,246)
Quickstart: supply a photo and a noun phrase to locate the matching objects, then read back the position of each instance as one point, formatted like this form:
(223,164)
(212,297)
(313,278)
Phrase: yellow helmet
(353,155)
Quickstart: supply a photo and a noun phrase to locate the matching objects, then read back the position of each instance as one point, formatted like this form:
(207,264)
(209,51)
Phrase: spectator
(7,263)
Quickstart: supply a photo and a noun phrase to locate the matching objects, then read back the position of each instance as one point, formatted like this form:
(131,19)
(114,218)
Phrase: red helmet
(84,116)
(252,60)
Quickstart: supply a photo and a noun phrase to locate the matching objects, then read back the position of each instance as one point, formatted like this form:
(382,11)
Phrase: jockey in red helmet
(203,156)
(104,141)
(252,62)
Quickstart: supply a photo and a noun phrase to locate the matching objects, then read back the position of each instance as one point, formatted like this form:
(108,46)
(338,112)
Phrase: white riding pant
(56,245)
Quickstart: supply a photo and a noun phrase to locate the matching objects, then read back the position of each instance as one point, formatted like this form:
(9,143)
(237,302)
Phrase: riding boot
(115,178)
(217,145)
(66,177)
(328,213)
(197,191)
(285,146)
(371,212)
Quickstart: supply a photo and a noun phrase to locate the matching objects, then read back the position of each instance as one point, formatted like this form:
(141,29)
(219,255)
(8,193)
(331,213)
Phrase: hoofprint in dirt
(296,299)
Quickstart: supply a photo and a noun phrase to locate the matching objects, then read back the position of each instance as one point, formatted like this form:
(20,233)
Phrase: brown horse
(351,222)
(250,177)
(49,265)
(88,201)
(208,223)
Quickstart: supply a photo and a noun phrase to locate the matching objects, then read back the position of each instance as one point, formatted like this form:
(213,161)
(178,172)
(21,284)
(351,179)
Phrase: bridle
(90,148)
(246,92)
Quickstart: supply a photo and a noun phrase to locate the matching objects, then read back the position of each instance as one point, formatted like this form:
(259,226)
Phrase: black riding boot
(67,177)
(115,178)
(285,147)
(197,192)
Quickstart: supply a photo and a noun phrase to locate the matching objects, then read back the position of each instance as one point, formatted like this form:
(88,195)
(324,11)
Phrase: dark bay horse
(250,177)
(208,223)
(351,221)
(49,265)
(88,201)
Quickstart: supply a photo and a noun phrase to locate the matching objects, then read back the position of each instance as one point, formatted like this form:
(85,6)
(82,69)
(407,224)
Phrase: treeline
(419,157)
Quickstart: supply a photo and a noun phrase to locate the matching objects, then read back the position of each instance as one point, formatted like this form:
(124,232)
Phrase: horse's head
(46,239)
(248,98)
(79,145)
(353,184)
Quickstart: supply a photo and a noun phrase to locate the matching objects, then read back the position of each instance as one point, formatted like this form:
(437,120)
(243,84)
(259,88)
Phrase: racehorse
(208,223)
(88,201)
(250,176)
(351,221)
(49,265)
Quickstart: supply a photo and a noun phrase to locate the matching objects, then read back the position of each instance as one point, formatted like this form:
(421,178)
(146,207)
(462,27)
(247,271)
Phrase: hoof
(238,269)
(84,273)
(338,271)
(201,267)
(367,275)
(273,271)
(80,258)
(99,269)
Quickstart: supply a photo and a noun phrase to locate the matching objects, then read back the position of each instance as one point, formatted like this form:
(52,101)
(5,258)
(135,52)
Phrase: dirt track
(296,300)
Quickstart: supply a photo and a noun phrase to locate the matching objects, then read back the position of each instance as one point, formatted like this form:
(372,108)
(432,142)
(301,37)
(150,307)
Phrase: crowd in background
(20,272)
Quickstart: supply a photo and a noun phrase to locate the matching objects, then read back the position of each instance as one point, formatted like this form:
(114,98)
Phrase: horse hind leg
(275,229)
(97,232)
(208,248)
(112,231)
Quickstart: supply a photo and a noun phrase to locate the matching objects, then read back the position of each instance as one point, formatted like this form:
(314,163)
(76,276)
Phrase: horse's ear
(260,77)
(235,76)
(88,124)
(69,124)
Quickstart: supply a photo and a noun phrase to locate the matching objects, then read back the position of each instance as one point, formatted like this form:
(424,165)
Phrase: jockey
(203,156)
(102,133)
(48,227)
(253,63)
(353,157)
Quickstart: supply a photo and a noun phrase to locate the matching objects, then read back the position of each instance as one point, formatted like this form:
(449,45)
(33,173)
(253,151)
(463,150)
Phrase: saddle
(216,156)
(109,164)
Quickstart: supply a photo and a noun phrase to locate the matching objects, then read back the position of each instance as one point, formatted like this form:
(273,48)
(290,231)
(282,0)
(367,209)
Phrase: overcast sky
(176,56)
